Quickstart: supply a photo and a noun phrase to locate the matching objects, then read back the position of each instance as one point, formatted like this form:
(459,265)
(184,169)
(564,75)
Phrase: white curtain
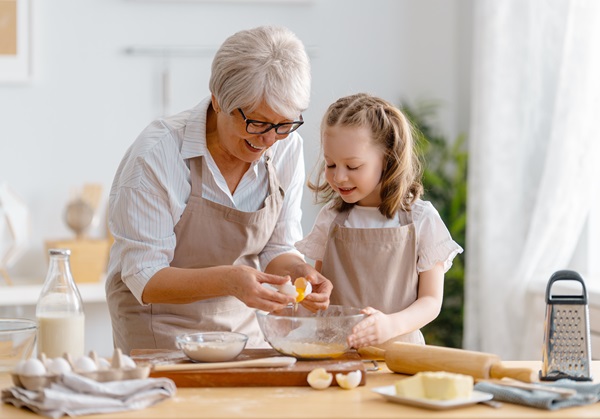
(534,161)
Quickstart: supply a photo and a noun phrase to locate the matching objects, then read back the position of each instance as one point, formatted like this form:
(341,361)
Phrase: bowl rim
(29,325)
(231,337)
(358,315)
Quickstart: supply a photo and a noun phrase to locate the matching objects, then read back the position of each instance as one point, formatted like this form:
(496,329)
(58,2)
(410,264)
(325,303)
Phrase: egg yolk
(300,284)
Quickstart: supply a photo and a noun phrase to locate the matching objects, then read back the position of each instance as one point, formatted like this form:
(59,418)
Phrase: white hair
(266,64)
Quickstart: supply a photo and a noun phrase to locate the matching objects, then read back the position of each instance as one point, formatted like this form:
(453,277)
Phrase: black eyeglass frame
(294,125)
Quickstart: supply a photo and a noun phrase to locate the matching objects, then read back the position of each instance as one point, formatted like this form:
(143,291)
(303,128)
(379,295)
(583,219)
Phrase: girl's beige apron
(208,234)
(374,267)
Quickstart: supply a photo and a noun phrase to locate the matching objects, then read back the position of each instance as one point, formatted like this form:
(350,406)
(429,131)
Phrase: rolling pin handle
(522,374)
(372,353)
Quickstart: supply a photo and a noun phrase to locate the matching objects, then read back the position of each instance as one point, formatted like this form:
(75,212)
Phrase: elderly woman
(205,205)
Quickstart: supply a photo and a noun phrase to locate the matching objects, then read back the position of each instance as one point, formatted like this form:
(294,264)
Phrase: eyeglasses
(260,127)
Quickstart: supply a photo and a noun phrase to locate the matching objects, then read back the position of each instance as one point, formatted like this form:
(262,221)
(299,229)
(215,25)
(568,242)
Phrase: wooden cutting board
(293,375)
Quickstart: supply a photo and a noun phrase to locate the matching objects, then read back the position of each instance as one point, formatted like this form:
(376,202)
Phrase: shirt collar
(194,137)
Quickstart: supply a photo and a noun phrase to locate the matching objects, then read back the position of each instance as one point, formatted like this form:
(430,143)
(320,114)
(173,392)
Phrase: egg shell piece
(319,378)
(33,367)
(270,287)
(350,380)
(85,364)
(58,366)
(288,289)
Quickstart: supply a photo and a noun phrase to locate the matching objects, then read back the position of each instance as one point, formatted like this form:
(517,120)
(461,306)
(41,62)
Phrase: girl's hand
(372,330)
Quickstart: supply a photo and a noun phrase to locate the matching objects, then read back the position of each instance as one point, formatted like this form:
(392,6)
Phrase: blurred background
(484,81)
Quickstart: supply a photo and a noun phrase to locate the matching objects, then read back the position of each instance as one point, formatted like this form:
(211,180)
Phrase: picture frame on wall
(15,41)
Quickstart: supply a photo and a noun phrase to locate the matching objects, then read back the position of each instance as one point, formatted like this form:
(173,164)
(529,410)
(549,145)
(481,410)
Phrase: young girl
(381,246)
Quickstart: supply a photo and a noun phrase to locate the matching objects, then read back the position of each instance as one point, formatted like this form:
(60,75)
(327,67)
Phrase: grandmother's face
(237,142)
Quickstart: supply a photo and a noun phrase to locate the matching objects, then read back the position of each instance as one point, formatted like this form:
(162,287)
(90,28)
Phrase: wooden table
(305,402)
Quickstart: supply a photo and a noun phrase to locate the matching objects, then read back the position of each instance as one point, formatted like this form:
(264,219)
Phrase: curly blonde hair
(391,130)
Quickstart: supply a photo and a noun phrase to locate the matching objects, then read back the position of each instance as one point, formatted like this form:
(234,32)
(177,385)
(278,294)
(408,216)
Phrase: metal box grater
(567,351)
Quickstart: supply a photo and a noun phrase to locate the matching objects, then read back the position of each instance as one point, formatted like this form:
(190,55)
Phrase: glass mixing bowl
(300,333)
(17,339)
(212,346)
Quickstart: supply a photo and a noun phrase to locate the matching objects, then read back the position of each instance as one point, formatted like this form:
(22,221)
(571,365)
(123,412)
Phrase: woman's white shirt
(434,243)
(152,186)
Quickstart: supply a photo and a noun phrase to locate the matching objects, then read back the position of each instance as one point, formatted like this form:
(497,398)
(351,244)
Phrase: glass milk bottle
(59,310)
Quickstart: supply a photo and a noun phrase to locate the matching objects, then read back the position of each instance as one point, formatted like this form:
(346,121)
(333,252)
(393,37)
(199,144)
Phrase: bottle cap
(59,252)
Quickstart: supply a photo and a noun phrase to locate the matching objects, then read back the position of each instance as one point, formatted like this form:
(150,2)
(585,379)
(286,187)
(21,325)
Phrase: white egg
(350,380)
(33,367)
(85,364)
(18,369)
(103,364)
(319,378)
(58,366)
(128,362)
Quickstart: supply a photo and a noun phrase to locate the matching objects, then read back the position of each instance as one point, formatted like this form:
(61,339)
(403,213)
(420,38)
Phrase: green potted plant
(445,184)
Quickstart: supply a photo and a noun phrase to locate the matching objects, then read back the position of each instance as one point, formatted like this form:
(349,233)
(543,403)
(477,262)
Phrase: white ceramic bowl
(17,339)
(307,335)
(212,346)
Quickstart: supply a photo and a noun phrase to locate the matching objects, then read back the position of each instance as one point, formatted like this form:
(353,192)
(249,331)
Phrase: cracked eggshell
(350,380)
(303,288)
(319,378)
(288,289)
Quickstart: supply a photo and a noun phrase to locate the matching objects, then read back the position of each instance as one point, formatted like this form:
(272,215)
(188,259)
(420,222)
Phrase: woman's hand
(246,287)
(376,328)
(295,267)
(318,299)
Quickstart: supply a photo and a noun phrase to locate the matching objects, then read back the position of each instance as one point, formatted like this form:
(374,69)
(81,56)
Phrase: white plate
(389,392)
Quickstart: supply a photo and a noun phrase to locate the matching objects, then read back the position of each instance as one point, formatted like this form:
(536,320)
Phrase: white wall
(88,99)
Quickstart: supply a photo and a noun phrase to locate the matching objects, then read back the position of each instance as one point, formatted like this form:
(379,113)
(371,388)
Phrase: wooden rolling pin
(410,358)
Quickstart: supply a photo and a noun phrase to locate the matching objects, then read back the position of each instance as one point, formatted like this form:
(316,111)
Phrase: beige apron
(374,267)
(208,234)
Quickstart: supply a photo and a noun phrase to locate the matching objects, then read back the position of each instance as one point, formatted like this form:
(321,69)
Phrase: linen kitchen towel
(586,393)
(76,395)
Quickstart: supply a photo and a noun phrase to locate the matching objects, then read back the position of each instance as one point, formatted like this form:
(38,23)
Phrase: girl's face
(353,164)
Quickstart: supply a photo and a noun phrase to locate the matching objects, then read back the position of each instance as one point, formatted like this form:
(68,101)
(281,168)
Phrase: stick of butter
(438,385)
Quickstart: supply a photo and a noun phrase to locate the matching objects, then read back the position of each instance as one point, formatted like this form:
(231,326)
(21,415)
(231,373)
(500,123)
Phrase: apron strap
(273,181)
(196,167)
